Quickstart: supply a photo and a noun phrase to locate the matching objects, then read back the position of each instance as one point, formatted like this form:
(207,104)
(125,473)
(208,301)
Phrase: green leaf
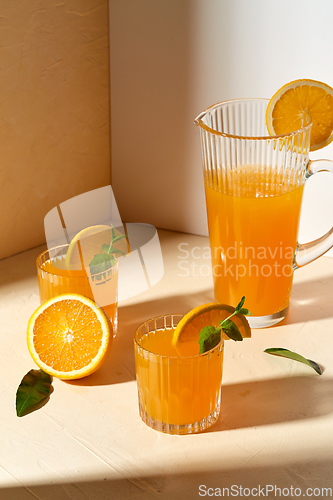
(117,238)
(244,311)
(240,305)
(105,248)
(113,233)
(101,262)
(33,389)
(114,250)
(280,351)
(209,337)
(231,330)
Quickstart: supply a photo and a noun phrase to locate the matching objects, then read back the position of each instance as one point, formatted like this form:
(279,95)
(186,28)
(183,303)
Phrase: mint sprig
(104,260)
(210,336)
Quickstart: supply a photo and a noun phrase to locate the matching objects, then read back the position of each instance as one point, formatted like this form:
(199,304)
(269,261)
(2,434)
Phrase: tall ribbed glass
(254,188)
(177,394)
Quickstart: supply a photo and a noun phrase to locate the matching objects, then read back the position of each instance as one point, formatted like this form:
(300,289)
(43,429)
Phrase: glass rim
(86,276)
(198,121)
(38,263)
(165,356)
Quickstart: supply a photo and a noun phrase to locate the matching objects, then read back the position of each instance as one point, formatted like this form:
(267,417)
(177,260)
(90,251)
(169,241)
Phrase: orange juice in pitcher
(253,241)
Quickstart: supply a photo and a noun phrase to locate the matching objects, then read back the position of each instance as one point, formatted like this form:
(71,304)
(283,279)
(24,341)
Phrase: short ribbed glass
(177,394)
(55,279)
(254,188)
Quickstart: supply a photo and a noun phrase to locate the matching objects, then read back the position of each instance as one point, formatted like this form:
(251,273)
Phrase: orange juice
(253,226)
(179,393)
(55,279)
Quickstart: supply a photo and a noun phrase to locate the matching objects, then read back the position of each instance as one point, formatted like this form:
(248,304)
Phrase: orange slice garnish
(298,103)
(190,326)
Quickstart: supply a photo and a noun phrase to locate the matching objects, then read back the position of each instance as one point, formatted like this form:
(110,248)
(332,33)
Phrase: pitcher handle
(308,252)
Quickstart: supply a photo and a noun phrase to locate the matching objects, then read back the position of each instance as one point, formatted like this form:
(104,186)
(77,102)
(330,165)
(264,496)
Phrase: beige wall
(54,111)
(171,59)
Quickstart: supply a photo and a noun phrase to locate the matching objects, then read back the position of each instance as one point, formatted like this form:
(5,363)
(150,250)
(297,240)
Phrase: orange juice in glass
(178,392)
(55,278)
(254,187)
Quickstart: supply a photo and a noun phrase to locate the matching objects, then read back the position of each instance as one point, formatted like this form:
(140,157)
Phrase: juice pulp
(253,226)
(55,281)
(177,389)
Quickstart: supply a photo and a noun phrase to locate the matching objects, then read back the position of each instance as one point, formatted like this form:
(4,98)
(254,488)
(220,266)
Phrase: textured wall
(54,111)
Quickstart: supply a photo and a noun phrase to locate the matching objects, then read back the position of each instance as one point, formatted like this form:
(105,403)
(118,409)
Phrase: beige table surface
(88,442)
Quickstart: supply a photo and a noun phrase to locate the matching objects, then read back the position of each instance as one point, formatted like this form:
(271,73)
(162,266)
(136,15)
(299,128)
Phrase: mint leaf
(281,351)
(105,260)
(209,338)
(115,250)
(244,311)
(240,304)
(231,330)
(110,248)
(105,248)
(101,262)
(117,238)
(33,389)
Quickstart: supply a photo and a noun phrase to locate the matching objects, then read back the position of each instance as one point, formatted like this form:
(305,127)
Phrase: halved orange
(210,314)
(69,336)
(88,242)
(298,103)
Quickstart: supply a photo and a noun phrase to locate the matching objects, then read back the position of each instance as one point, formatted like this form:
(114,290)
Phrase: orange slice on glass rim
(298,103)
(190,326)
(69,336)
(91,240)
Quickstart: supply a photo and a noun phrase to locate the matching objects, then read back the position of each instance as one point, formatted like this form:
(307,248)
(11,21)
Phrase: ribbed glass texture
(55,279)
(239,157)
(177,395)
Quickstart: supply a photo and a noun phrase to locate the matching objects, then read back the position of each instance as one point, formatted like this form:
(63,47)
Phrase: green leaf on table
(209,338)
(231,330)
(280,351)
(101,262)
(33,389)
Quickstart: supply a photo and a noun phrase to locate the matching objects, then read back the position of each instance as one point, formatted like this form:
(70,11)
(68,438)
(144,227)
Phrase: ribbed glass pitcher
(254,187)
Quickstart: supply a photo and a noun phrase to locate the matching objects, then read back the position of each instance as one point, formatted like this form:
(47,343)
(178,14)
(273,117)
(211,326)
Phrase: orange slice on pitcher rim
(69,336)
(190,326)
(298,103)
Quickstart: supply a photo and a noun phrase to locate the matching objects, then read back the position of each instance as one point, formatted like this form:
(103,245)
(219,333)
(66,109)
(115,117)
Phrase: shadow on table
(275,481)
(311,300)
(119,366)
(266,402)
